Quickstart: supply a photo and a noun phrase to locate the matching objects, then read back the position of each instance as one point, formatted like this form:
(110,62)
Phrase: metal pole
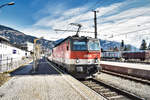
(77,34)
(34,55)
(95,22)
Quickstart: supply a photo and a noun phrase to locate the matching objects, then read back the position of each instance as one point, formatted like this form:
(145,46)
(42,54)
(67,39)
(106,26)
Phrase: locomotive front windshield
(93,45)
(79,45)
(86,45)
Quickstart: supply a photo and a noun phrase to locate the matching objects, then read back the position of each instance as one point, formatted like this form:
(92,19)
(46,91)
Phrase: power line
(73,31)
(123,23)
(91,8)
(63,31)
(132,31)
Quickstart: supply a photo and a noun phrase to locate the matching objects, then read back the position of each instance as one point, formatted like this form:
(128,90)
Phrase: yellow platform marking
(55,68)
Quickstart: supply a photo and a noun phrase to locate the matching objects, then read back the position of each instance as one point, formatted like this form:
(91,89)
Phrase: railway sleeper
(116,97)
(110,93)
(99,87)
(85,82)
(104,90)
(92,85)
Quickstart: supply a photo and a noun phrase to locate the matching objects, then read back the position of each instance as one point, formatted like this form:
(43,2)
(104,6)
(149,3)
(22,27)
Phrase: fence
(12,63)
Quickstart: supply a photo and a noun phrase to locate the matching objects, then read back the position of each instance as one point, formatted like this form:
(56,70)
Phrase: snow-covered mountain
(106,45)
(18,37)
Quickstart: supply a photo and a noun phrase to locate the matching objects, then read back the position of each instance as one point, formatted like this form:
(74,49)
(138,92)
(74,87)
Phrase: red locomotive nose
(85,55)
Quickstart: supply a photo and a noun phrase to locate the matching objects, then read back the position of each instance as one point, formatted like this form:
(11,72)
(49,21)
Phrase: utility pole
(95,22)
(35,51)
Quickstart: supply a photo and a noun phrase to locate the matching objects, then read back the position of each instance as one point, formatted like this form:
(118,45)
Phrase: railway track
(108,91)
(136,79)
(134,62)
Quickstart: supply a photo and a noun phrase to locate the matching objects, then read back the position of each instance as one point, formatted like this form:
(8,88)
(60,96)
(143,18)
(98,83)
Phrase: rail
(130,61)
(108,91)
(136,79)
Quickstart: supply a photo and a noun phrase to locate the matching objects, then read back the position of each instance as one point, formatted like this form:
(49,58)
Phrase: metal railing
(12,63)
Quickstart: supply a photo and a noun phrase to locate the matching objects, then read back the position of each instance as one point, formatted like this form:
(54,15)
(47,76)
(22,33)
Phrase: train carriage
(142,55)
(111,55)
(80,56)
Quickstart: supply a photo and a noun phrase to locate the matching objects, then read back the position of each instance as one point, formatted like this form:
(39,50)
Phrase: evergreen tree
(149,46)
(125,48)
(102,50)
(122,45)
(143,45)
(129,48)
(116,48)
(111,48)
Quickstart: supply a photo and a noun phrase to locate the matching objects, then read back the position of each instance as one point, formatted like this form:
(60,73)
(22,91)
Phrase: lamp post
(35,53)
(7,4)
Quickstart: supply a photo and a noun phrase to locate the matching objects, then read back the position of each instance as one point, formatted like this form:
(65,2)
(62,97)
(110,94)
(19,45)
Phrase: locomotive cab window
(93,45)
(79,45)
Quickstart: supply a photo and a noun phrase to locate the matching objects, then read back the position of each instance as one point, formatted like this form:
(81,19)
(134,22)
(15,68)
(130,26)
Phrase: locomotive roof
(75,37)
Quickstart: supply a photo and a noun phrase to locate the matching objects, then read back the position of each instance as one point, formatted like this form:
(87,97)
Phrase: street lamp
(7,4)
(35,53)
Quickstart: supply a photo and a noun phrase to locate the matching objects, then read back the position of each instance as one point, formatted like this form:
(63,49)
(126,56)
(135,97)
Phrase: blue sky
(26,12)
(41,17)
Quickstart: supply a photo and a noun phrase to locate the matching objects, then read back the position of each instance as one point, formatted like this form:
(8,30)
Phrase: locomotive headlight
(77,60)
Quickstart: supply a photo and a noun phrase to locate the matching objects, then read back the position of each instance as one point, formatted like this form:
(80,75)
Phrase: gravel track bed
(131,86)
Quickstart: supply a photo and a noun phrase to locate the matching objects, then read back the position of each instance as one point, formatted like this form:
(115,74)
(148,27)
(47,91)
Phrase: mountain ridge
(17,37)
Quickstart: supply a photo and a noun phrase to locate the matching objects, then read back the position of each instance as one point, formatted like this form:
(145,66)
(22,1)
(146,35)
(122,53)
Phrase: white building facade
(29,46)
(10,53)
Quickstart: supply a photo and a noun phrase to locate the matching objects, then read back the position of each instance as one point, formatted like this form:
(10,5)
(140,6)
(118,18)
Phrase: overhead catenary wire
(68,26)
(93,7)
(90,9)
(123,23)
(71,16)
(132,31)
(73,31)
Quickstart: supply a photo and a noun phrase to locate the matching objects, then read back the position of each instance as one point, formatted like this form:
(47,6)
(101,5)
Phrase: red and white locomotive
(80,56)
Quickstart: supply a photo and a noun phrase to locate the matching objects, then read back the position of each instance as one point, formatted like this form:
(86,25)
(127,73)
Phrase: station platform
(137,70)
(47,83)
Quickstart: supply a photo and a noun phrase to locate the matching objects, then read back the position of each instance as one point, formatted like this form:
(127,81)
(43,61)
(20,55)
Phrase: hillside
(17,37)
